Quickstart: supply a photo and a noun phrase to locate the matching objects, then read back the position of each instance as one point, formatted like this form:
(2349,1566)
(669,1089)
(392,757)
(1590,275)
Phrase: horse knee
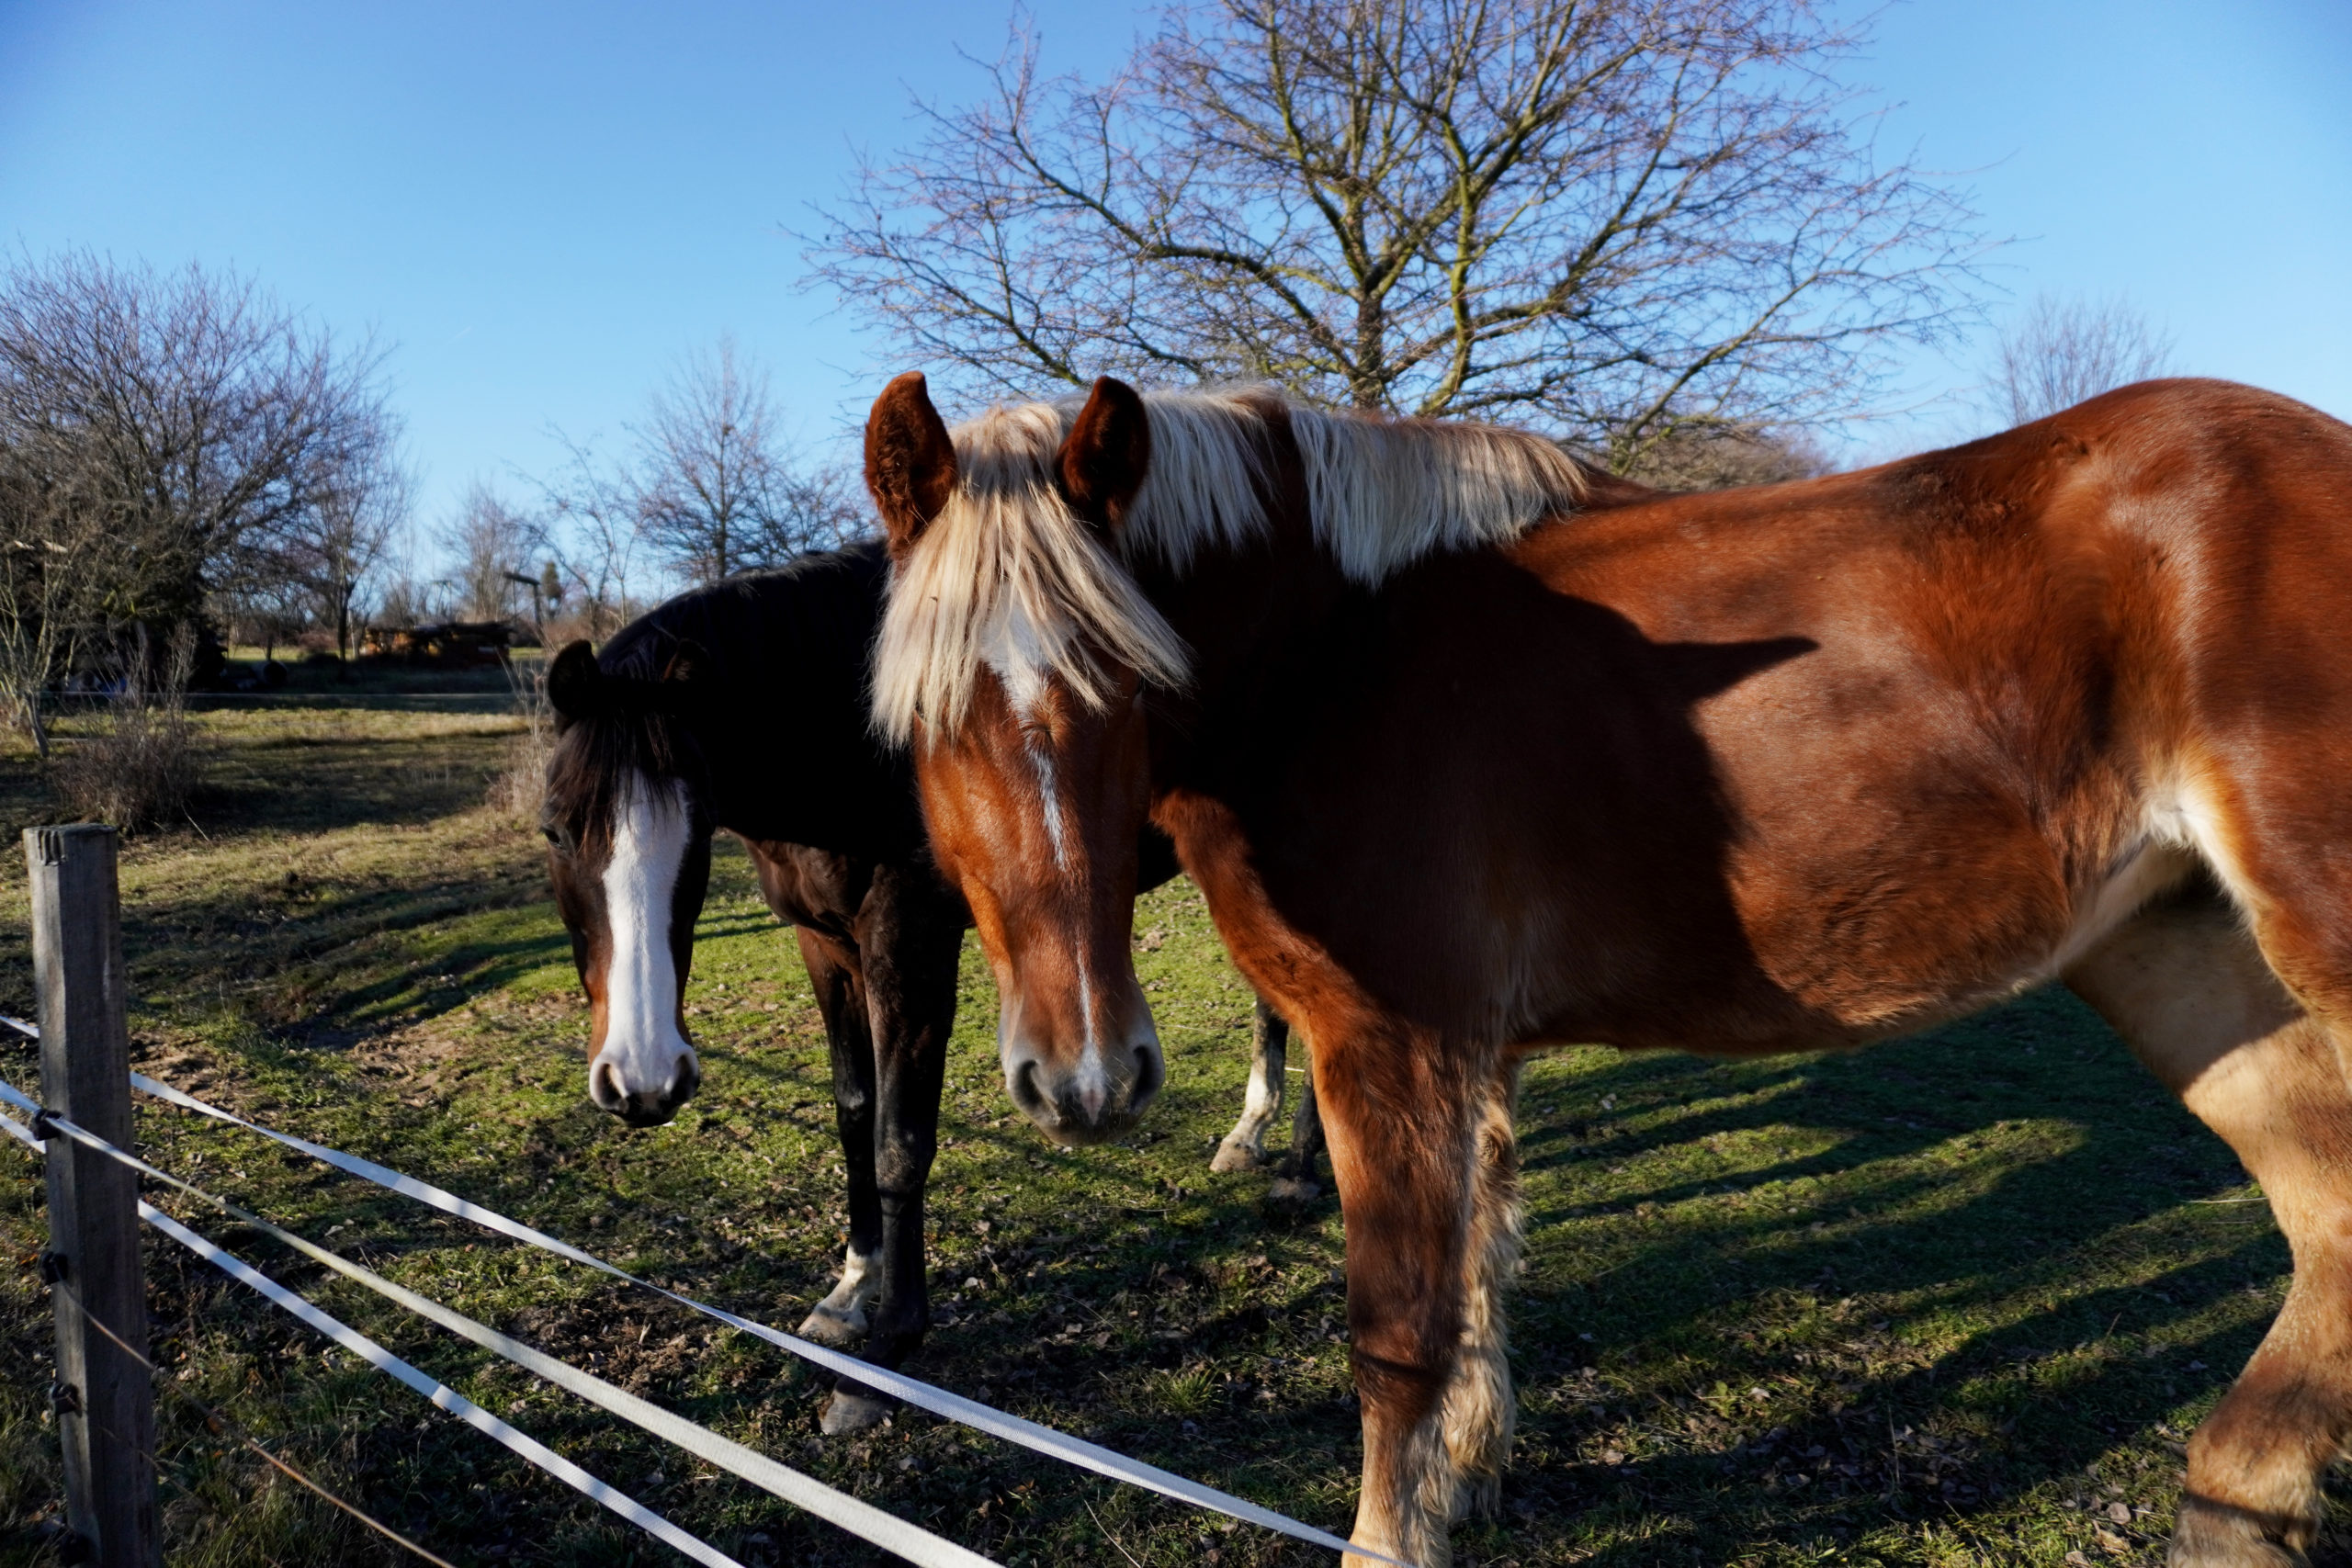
(902,1167)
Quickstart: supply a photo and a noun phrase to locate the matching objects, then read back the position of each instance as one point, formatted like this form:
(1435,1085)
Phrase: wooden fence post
(104,1396)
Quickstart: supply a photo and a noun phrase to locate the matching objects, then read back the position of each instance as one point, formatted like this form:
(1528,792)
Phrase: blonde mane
(1008,577)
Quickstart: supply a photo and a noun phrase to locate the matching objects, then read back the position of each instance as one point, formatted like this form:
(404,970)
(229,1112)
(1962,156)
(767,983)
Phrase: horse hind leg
(1479,1412)
(1298,1180)
(2191,993)
(1244,1148)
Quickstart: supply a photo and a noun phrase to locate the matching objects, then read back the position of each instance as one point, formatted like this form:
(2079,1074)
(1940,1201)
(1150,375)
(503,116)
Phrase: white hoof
(831,1326)
(1234,1156)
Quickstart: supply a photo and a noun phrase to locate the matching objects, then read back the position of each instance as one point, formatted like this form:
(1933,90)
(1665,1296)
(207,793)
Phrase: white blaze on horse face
(643,1049)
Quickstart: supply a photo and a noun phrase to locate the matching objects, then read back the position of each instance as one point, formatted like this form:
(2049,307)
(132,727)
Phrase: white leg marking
(1245,1146)
(840,1318)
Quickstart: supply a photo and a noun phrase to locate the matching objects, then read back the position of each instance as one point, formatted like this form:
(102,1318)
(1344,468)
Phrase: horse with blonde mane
(1474,750)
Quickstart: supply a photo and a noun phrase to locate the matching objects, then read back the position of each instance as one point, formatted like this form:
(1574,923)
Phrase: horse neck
(1258,618)
(784,731)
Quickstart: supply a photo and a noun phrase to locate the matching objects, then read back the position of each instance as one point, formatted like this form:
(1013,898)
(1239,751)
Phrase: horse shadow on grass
(2027,1267)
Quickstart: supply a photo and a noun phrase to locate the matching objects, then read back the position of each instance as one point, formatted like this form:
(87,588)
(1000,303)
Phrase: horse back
(1812,763)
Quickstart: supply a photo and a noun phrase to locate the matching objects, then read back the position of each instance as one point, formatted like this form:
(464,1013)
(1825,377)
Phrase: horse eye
(554,835)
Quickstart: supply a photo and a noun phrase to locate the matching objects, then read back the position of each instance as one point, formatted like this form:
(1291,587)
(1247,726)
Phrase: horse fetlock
(2214,1534)
(1478,1417)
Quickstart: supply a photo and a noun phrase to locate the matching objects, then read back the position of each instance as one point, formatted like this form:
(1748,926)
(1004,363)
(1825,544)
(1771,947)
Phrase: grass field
(1951,1302)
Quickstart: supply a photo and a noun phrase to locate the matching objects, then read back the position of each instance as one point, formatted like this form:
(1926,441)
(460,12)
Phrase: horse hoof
(1293,1192)
(1232,1156)
(2215,1535)
(847,1414)
(839,1329)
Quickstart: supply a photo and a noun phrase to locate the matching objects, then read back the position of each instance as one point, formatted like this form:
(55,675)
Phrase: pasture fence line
(87,1149)
(104,1399)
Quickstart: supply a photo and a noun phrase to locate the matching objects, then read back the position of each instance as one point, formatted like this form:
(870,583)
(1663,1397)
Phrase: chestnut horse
(1475,750)
(654,752)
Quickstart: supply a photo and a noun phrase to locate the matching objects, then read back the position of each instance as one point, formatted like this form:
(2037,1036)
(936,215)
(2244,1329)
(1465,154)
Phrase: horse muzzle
(615,1088)
(1091,1101)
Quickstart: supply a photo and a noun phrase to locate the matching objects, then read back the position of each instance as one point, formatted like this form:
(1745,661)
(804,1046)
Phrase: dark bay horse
(743,707)
(1474,751)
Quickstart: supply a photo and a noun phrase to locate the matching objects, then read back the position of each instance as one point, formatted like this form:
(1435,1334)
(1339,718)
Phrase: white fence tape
(955,1406)
(860,1519)
(359,1345)
(923,1396)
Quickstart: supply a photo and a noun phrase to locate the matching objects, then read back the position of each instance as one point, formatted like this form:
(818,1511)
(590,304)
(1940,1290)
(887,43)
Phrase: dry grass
(521,786)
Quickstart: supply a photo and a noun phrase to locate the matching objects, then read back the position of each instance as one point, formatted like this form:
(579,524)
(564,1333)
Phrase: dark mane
(696,682)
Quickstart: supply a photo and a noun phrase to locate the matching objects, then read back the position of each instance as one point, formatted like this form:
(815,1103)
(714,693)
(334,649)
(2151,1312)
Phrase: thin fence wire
(981,1417)
(860,1519)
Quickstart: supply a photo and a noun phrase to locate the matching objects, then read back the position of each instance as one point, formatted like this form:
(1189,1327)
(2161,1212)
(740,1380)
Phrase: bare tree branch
(2064,350)
(1606,219)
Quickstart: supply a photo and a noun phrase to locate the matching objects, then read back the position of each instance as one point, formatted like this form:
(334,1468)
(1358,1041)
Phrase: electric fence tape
(860,1519)
(440,1393)
(923,1396)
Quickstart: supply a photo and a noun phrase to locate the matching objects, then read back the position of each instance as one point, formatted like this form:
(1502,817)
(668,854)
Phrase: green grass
(1939,1302)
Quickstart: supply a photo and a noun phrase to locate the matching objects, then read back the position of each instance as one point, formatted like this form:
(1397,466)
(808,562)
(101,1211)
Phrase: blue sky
(538,209)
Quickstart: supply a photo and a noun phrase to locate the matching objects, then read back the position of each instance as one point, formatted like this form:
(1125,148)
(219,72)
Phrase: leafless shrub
(141,767)
(712,488)
(2064,350)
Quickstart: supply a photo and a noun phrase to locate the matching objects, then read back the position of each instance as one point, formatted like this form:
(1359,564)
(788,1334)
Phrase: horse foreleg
(839,1317)
(1245,1146)
(912,940)
(1404,1127)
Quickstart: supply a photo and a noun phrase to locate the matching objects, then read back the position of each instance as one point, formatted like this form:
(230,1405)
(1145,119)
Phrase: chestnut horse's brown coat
(1773,769)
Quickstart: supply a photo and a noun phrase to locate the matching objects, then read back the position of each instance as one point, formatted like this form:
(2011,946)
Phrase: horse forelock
(1008,578)
(599,763)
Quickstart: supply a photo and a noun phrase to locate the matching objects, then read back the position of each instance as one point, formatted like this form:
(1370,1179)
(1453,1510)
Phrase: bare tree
(715,491)
(329,551)
(491,541)
(593,511)
(2061,352)
(1604,217)
(52,580)
(186,418)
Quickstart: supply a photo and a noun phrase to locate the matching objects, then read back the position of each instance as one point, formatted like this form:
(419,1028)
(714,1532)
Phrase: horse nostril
(604,1088)
(1149,1072)
(1025,1093)
(683,1083)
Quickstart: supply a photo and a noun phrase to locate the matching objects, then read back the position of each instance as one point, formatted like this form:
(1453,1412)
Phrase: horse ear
(1108,451)
(575,684)
(909,461)
(688,664)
